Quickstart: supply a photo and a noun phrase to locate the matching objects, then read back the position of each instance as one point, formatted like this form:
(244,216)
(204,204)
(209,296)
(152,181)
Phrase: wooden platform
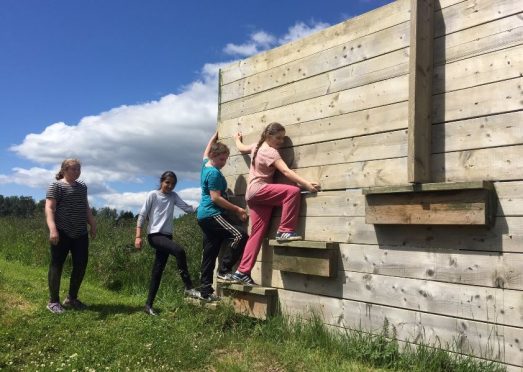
(254,301)
(306,257)
(457,203)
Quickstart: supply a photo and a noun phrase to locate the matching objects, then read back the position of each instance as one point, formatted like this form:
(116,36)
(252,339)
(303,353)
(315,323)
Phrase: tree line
(26,206)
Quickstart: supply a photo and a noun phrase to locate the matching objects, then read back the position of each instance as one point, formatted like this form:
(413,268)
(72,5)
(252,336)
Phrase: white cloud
(300,30)
(130,142)
(261,40)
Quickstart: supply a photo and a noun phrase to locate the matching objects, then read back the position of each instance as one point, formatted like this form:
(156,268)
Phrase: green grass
(114,333)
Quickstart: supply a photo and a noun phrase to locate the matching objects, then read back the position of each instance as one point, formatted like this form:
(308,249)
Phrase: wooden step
(309,257)
(254,301)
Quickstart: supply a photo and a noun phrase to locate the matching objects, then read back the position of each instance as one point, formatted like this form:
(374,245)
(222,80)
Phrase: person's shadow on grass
(105,310)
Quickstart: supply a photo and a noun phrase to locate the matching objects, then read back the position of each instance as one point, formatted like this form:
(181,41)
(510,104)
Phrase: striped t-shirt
(71,207)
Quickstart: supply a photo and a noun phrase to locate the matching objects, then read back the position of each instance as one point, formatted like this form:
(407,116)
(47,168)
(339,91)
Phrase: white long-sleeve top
(158,209)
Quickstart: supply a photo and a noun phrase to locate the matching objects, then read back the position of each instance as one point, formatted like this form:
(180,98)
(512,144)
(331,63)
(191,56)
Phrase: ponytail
(270,130)
(66,164)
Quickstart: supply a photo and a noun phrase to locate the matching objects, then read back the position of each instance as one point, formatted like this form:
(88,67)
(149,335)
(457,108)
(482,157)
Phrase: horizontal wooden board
(444,207)
(318,262)
(365,24)
(371,50)
(491,36)
(505,236)
(477,338)
(496,164)
(498,306)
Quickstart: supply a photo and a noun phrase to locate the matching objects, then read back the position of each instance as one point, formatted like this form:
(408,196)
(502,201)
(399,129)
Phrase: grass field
(114,334)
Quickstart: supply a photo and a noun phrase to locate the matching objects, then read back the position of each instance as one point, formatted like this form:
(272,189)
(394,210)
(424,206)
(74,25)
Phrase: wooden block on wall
(306,257)
(467,203)
(254,301)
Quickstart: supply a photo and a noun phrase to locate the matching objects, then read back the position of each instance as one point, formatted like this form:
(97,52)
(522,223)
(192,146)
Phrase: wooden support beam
(254,301)
(420,90)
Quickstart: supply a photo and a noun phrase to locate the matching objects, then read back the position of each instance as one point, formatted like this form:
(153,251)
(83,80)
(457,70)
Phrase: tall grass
(114,334)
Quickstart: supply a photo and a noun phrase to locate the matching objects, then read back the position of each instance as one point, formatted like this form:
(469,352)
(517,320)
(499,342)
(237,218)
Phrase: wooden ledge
(256,289)
(458,203)
(425,187)
(303,244)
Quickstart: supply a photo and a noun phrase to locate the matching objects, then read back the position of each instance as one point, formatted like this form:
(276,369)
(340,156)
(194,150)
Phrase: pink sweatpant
(260,210)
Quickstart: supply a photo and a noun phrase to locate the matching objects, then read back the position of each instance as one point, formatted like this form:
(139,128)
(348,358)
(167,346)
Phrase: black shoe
(149,310)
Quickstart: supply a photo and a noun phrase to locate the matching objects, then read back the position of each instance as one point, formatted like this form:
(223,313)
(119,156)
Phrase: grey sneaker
(226,278)
(287,236)
(210,298)
(149,310)
(74,303)
(193,293)
(55,307)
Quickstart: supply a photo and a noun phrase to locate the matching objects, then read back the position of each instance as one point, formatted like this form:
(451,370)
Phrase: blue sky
(129,87)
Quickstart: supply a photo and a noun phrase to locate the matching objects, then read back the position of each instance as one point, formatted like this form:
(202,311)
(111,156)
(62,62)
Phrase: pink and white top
(263,172)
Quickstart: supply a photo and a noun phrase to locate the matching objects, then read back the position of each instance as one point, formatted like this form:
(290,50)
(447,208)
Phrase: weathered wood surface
(493,305)
(317,262)
(351,202)
(302,244)
(505,236)
(256,302)
(481,339)
(456,207)
(485,269)
(420,90)
(456,16)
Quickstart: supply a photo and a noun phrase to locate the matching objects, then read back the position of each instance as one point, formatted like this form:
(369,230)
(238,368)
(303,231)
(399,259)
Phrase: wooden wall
(342,94)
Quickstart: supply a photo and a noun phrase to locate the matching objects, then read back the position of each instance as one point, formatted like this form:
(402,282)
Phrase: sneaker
(193,293)
(55,307)
(149,310)
(287,236)
(226,278)
(74,303)
(211,297)
(243,278)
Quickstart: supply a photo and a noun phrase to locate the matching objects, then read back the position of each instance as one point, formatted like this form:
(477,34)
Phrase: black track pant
(216,230)
(164,246)
(79,254)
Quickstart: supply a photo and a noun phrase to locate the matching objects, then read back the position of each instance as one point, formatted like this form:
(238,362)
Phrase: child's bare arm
(212,141)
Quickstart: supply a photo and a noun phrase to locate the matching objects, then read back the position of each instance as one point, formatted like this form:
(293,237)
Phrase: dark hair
(66,164)
(217,149)
(270,130)
(166,175)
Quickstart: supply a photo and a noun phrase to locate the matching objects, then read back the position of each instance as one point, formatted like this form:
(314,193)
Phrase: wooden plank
(478,101)
(483,132)
(474,165)
(254,301)
(492,36)
(438,264)
(505,236)
(468,14)
(311,244)
(420,90)
(451,186)
(317,262)
(360,98)
(447,207)
(365,24)
(483,69)
(368,121)
(477,338)
(371,147)
(385,48)
(490,305)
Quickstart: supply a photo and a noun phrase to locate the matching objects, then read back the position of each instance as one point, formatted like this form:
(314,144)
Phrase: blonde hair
(270,130)
(218,149)
(65,165)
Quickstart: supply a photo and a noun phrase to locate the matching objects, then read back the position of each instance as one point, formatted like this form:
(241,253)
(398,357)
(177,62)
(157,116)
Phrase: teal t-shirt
(211,178)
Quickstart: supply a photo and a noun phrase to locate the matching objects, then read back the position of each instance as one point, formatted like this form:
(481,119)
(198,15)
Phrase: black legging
(164,246)
(79,254)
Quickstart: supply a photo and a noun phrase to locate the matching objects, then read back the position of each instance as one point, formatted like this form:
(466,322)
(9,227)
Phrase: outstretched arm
(244,149)
(218,199)
(290,174)
(212,141)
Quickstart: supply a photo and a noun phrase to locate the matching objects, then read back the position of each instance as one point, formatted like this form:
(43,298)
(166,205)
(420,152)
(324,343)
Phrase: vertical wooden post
(420,90)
